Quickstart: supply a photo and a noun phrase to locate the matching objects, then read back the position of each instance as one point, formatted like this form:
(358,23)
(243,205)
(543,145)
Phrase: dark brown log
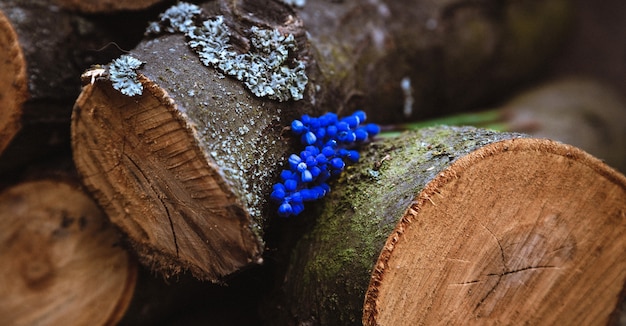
(461,226)
(192,160)
(100,6)
(40,85)
(62,262)
(12,83)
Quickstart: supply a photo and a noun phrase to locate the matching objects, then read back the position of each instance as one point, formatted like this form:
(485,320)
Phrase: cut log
(62,263)
(459,226)
(44,51)
(13,83)
(186,168)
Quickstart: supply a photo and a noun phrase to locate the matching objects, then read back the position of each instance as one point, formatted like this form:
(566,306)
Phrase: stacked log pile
(175,168)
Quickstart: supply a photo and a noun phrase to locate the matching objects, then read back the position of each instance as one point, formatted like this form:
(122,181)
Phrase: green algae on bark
(332,264)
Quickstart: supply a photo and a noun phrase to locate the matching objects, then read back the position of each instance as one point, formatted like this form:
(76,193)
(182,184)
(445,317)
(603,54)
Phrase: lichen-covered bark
(332,264)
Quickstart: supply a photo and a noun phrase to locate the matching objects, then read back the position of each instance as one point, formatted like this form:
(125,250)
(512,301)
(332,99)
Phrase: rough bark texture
(236,137)
(62,262)
(12,82)
(463,226)
(57,46)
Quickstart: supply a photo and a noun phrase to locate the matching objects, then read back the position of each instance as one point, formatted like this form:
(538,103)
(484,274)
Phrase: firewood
(182,157)
(62,263)
(13,82)
(44,50)
(460,226)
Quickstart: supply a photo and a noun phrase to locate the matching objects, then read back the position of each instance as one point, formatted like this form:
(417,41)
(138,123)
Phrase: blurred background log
(102,6)
(62,262)
(463,226)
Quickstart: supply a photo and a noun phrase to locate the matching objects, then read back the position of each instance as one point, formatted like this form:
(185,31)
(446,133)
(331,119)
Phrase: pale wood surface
(524,230)
(62,262)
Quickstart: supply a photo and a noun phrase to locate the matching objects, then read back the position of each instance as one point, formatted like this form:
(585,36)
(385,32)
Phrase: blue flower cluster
(329,142)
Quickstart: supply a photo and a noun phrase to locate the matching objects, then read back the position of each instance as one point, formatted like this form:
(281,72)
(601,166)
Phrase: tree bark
(62,262)
(463,226)
(227,143)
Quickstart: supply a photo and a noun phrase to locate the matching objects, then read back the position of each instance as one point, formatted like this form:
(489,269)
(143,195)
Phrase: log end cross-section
(524,230)
(62,262)
(141,160)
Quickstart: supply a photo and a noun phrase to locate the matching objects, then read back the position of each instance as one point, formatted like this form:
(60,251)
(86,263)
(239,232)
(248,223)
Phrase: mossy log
(62,262)
(459,226)
(186,168)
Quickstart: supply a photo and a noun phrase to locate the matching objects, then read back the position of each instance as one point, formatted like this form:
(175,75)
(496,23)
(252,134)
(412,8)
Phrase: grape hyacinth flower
(329,143)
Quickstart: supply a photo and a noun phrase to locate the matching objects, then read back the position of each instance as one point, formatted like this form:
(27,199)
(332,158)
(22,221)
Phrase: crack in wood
(505,271)
(160,197)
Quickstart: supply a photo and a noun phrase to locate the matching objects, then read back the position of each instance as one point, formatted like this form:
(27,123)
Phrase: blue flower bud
(297,208)
(307,195)
(353,156)
(295,197)
(372,129)
(291,185)
(307,176)
(286,175)
(352,121)
(361,134)
(360,115)
(285,210)
(311,161)
(331,131)
(301,167)
(346,137)
(337,163)
(328,151)
(278,195)
(315,171)
(321,159)
(343,126)
(309,138)
(294,160)
(297,127)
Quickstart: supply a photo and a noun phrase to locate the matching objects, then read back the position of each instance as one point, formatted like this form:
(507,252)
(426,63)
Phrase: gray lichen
(267,69)
(295,3)
(179,18)
(123,75)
